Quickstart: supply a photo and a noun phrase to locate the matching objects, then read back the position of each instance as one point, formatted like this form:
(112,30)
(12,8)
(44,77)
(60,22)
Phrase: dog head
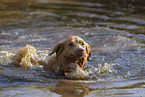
(74,49)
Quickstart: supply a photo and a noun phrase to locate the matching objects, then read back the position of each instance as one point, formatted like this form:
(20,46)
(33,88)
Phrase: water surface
(114,29)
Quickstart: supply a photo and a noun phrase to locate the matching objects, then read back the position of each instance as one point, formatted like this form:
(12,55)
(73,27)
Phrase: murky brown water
(114,29)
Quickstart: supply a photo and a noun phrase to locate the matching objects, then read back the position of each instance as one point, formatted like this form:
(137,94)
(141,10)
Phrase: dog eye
(83,44)
(71,44)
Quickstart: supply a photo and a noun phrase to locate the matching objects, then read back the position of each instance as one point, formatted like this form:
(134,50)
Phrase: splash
(28,57)
(6,57)
(105,68)
(25,57)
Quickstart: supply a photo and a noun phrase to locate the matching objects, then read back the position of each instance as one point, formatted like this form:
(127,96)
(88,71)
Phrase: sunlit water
(114,30)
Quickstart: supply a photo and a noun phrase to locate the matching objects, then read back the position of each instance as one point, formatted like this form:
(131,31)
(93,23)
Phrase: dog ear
(58,48)
(88,50)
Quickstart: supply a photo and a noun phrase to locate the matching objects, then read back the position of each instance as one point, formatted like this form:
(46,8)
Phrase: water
(115,31)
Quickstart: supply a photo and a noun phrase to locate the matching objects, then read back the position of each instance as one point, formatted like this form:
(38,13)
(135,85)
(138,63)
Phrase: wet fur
(66,53)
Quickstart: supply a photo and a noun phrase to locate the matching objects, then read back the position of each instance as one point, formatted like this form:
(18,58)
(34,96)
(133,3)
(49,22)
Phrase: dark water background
(115,30)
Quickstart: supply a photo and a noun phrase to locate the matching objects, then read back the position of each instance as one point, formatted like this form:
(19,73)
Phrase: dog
(71,55)
(72,50)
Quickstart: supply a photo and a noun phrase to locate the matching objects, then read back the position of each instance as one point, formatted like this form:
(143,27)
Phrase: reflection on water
(114,29)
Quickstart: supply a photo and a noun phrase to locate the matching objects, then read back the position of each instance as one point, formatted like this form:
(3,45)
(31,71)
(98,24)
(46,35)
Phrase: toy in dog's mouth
(76,72)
